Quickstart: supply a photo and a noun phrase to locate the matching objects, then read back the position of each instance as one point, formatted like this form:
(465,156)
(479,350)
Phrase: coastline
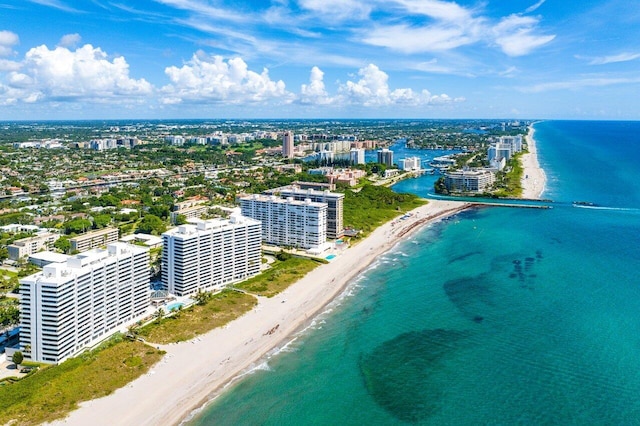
(534,178)
(192,373)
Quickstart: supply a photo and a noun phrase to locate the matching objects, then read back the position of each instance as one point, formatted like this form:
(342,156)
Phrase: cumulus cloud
(315,92)
(70,40)
(7,41)
(516,36)
(372,89)
(204,79)
(64,75)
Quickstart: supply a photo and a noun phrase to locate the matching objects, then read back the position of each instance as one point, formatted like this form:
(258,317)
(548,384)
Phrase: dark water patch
(472,296)
(406,375)
(463,256)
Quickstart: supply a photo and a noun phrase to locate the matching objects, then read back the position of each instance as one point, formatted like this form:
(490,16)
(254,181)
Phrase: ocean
(494,316)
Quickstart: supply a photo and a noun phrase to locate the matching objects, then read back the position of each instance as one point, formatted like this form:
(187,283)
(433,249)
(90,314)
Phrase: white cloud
(449,26)
(338,9)
(579,84)
(56,4)
(70,40)
(621,57)
(415,40)
(373,90)
(534,7)
(204,9)
(8,39)
(65,75)
(204,79)
(442,10)
(515,35)
(315,92)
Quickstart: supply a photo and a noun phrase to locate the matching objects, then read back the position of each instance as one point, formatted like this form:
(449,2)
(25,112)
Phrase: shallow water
(495,316)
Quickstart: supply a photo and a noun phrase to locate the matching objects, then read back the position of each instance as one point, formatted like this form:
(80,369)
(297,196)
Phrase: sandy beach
(193,372)
(533,178)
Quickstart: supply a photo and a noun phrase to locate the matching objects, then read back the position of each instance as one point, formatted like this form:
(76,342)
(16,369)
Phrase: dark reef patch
(470,295)
(406,375)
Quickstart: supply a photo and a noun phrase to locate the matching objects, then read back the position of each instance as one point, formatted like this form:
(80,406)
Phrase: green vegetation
(375,205)
(509,184)
(186,324)
(280,276)
(51,393)
(9,312)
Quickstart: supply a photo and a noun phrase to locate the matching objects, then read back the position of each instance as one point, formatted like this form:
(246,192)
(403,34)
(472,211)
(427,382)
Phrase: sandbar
(193,372)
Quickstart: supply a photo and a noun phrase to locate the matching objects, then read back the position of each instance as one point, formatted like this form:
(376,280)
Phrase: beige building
(477,180)
(30,245)
(94,239)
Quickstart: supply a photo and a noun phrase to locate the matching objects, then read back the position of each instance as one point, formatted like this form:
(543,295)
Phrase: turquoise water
(495,316)
(331,256)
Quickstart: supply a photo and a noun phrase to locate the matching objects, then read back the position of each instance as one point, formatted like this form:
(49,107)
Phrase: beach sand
(533,177)
(193,372)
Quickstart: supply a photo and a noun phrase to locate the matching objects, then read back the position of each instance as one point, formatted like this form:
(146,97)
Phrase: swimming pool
(331,256)
(174,306)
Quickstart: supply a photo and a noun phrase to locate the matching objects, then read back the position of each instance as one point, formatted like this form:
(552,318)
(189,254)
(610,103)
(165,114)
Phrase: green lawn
(53,392)
(280,276)
(199,319)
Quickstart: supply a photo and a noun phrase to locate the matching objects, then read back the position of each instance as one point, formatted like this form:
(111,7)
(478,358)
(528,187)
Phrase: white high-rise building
(334,200)
(356,156)
(288,222)
(409,163)
(210,254)
(73,305)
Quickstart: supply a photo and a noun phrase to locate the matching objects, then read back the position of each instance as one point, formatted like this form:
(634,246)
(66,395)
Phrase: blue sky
(86,59)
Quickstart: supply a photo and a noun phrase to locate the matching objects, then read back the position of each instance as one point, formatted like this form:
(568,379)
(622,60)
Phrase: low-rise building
(30,245)
(94,239)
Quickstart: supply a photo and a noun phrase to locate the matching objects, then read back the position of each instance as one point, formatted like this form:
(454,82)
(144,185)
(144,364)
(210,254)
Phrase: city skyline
(68,59)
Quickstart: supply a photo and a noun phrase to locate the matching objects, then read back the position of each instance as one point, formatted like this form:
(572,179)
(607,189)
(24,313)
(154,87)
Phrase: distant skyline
(156,59)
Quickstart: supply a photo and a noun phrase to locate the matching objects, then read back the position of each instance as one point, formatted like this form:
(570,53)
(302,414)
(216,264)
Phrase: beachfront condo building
(477,180)
(210,254)
(505,148)
(288,222)
(334,201)
(72,305)
(287,144)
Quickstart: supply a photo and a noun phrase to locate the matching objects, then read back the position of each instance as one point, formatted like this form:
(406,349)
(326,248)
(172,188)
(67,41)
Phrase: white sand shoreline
(191,373)
(534,178)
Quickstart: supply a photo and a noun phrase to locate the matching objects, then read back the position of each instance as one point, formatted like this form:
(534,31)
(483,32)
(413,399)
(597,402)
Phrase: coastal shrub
(53,391)
(280,276)
(218,310)
(374,205)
